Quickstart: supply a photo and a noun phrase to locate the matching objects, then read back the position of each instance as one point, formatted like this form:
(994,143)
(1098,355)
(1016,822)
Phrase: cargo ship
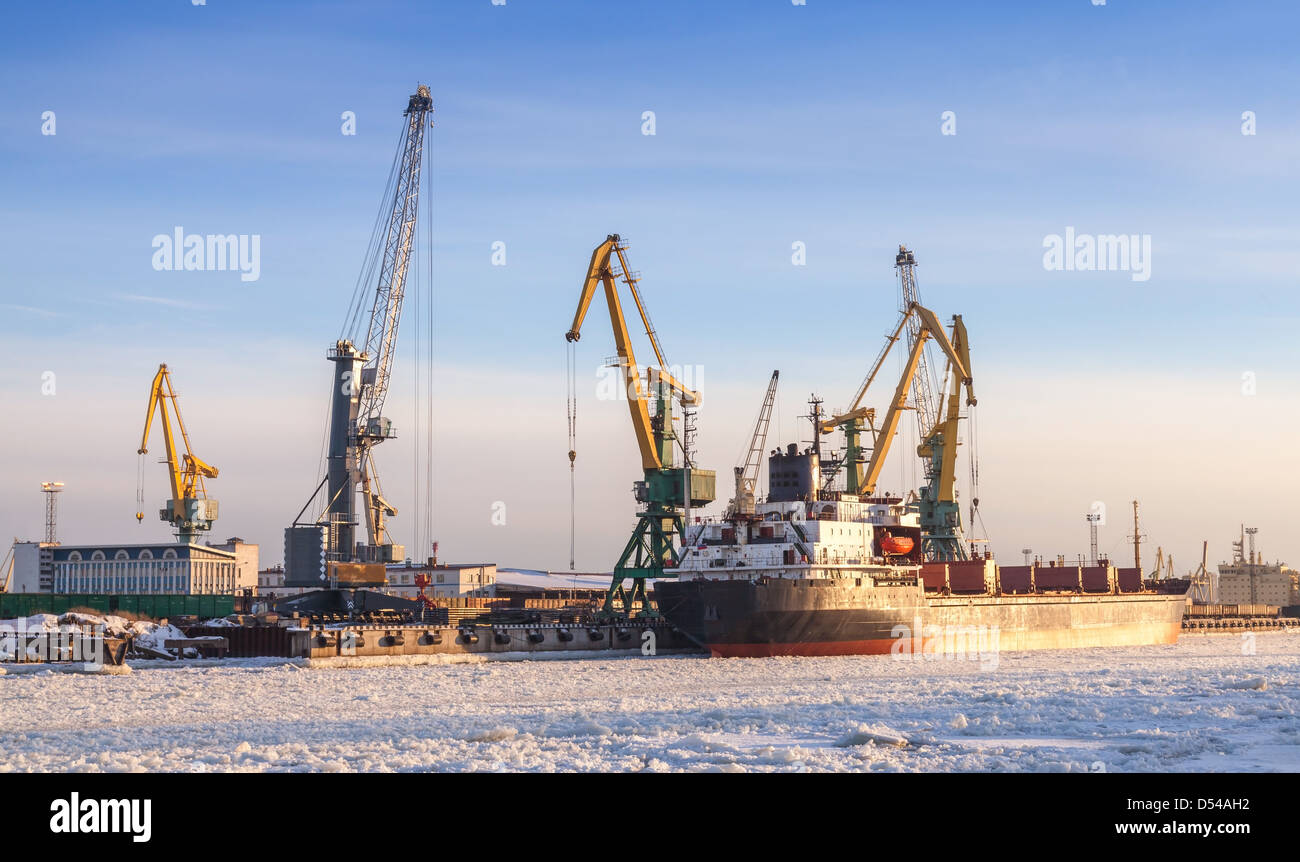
(813,573)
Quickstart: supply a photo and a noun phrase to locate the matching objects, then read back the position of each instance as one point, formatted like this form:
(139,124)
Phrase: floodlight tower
(51,490)
(1094,518)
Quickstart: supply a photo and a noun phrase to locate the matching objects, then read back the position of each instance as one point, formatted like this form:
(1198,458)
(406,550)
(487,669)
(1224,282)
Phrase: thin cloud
(162,300)
(30,309)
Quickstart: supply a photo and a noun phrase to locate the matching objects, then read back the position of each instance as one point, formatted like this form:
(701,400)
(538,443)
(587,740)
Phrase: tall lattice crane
(742,505)
(189,510)
(662,493)
(922,382)
(362,375)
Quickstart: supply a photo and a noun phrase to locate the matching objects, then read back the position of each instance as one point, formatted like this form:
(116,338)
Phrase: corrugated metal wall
(152,606)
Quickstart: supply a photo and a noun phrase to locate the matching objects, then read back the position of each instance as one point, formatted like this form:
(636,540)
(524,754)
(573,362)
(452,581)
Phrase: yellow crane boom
(931,328)
(945,427)
(600,272)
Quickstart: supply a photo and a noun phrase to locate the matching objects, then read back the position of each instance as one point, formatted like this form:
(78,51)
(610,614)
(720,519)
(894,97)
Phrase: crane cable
(422,525)
(416,523)
(139,489)
(975,515)
(571,367)
(430,528)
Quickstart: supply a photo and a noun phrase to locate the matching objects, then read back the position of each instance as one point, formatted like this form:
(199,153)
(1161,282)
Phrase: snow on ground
(146,633)
(1198,706)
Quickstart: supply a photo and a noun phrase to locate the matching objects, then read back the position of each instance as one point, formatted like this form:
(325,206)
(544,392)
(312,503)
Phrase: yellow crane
(189,510)
(654,454)
(857,480)
(940,513)
(663,493)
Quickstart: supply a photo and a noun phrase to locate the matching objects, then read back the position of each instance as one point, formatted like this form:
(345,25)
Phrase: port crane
(189,510)
(858,480)
(742,505)
(941,535)
(363,369)
(940,517)
(662,493)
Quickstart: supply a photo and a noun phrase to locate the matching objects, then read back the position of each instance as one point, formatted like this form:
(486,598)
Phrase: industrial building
(1258,583)
(32,570)
(139,569)
(246,572)
(44,567)
(1249,580)
(269,580)
(446,580)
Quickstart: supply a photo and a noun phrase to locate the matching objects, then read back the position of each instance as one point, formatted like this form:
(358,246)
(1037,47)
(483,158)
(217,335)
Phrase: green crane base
(649,553)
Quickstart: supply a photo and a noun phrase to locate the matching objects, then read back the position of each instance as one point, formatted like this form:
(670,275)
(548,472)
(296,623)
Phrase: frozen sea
(1205,704)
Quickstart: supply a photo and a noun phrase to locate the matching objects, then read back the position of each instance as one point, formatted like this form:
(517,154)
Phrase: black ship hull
(793,616)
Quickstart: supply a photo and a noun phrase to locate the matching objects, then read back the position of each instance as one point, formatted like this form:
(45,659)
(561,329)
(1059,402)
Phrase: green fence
(153,606)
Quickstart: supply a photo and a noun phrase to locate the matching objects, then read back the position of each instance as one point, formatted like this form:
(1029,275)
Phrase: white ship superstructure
(793,534)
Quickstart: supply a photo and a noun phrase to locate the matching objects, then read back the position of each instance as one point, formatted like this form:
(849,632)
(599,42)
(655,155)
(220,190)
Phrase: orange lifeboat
(896,545)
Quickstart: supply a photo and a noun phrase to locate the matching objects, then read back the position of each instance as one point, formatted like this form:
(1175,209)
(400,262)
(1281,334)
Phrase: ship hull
(770,617)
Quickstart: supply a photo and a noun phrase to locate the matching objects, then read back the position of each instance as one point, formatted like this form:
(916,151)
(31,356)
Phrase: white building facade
(246,574)
(144,569)
(468,580)
(33,568)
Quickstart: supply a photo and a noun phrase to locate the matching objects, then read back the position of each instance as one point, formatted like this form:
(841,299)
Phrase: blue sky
(774,124)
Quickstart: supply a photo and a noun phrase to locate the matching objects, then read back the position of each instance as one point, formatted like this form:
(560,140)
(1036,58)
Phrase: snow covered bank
(147,634)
